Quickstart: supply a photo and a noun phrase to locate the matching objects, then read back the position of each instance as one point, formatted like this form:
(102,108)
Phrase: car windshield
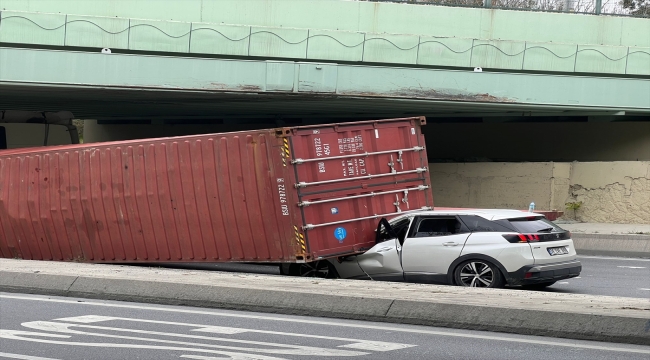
(534,225)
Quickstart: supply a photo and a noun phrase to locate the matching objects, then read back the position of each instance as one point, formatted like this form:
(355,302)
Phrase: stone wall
(610,192)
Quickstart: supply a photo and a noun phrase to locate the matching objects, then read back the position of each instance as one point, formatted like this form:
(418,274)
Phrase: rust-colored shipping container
(290,194)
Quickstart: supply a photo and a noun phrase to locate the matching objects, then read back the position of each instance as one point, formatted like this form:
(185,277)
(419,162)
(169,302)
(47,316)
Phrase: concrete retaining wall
(610,192)
(32,135)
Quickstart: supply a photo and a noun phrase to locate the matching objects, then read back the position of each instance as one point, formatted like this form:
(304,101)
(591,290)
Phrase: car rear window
(534,225)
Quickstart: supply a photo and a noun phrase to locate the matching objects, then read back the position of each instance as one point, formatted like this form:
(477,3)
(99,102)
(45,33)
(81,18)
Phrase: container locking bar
(305,184)
(420,187)
(399,151)
(313,226)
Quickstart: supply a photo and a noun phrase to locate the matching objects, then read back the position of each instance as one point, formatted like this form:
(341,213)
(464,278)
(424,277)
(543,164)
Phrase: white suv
(477,248)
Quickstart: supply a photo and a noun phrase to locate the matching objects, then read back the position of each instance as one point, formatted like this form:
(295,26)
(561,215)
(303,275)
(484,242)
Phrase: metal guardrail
(634,8)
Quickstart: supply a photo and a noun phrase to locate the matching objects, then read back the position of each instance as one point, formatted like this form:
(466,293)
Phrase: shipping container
(291,194)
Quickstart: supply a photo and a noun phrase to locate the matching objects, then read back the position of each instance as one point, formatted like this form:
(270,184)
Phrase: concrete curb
(612,245)
(564,315)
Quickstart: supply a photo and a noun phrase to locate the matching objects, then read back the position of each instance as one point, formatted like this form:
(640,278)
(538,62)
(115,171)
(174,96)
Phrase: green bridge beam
(138,72)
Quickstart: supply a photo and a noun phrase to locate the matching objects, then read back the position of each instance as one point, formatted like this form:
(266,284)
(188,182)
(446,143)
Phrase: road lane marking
(23,357)
(21,335)
(644,289)
(199,357)
(283,349)
(507,338)
(611,258)
(357,343)
(632,267)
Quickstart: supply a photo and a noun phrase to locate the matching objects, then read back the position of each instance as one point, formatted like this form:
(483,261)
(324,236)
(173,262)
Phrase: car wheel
(539,286)
(478,273)
(320,269)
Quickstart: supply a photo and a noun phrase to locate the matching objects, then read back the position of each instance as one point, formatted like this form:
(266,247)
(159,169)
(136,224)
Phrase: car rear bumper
(535,274)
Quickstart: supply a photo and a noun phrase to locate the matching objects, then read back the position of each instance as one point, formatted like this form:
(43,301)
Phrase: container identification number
(321,148)
(282,191)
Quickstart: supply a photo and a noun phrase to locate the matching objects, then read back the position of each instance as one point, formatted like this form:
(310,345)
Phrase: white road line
(23,335)
(632,267)
(199,357)
(23,357)
(644,289)
(272,348)
(356,343)
(612,258)
(336,324)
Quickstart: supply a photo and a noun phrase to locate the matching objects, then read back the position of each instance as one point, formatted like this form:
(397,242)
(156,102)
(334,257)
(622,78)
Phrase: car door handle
(451,243)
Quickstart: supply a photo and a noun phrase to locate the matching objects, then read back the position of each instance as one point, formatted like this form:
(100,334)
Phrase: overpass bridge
(496,85)
(310,58)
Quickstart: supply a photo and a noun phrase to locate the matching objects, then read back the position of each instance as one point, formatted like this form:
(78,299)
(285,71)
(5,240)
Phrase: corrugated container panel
(277,195)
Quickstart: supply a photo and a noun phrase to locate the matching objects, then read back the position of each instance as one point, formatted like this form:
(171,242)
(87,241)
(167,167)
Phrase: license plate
(561,250)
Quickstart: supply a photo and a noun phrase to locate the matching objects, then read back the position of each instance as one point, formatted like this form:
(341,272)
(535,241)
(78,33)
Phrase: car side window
(438,226)
(479,224)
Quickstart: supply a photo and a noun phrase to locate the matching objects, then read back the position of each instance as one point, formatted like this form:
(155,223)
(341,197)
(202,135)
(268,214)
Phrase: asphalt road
(627,277)
(46,328)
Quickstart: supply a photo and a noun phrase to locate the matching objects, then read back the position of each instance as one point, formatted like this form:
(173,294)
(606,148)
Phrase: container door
(350,175)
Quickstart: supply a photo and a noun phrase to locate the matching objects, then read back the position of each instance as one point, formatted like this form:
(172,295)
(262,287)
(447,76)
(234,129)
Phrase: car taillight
(521,238)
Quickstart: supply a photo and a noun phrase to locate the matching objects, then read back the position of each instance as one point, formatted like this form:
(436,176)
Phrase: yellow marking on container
(300,238)
(286,148)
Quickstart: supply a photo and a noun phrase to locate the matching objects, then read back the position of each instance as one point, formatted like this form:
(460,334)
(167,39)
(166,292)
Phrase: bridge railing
(636,8)
(92,32)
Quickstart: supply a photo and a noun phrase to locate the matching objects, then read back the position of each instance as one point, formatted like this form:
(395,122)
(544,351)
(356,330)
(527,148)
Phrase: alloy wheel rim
(316,269)
(476,274)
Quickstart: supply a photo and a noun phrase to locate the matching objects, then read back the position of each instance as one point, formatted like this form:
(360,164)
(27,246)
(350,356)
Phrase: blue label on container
(340,234)
(334,210)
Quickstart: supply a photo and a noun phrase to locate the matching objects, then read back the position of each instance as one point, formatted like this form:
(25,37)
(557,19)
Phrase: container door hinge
(400,161)
(396,203)
(392,165)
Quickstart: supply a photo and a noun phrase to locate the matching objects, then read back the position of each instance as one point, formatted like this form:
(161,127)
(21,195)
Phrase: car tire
(478,273)
(539,286)
(320,269)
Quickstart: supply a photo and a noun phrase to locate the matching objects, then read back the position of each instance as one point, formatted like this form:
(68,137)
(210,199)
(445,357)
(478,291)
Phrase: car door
(382,261)
(432,244)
